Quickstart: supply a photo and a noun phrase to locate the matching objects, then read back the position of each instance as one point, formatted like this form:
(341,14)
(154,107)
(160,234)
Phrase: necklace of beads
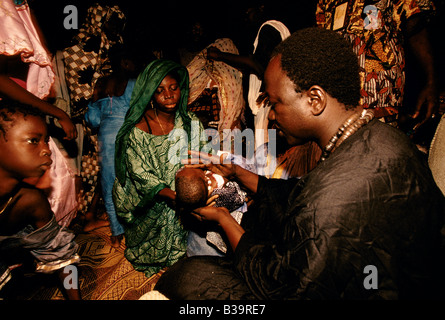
(351,125)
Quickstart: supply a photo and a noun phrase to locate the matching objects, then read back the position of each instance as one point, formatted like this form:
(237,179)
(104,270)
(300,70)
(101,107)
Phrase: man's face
(290,113)
(24,151)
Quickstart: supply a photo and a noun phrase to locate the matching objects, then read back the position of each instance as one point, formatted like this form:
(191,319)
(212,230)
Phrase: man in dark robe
(365,223)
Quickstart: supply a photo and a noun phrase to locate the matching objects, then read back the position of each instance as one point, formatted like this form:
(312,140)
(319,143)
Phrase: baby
(197,188)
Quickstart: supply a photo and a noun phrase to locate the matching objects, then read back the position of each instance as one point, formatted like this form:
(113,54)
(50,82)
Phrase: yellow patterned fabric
(375,32)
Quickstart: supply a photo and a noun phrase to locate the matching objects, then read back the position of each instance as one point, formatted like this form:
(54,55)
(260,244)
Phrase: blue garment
(108,115)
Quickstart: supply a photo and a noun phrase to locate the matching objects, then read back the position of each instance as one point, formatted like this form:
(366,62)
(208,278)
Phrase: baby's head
(191,188)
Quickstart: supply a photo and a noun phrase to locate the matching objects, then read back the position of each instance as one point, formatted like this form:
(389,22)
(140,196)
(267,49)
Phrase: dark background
(166,20)
(163,23)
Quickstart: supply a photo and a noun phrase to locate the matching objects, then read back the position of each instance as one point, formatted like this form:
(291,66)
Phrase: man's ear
(317,99)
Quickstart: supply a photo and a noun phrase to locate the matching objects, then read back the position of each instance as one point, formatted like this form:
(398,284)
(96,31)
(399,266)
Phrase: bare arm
(167,194)
(236,61)
(12,90)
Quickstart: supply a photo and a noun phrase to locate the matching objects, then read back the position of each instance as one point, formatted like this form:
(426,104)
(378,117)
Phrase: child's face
(24,151)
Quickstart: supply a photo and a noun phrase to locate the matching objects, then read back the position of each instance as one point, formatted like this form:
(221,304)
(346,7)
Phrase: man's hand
(210,213)
(216,164)
(222,217)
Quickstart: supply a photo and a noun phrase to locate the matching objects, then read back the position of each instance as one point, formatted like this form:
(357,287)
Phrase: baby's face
(213,181)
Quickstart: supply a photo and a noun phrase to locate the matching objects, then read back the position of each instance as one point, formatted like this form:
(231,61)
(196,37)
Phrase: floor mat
(104,274)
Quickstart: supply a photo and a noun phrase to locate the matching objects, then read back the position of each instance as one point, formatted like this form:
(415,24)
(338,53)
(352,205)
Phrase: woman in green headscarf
(156,128)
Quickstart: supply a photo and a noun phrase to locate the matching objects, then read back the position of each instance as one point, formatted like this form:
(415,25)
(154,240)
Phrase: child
(27,76)
(27,224)
(197,188)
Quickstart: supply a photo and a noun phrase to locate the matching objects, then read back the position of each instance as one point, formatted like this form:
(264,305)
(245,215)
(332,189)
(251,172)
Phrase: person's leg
(108,176)
(91,216)
(203,278)
(107,180)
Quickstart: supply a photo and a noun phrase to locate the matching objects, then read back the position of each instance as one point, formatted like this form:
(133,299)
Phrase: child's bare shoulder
(33,203)
(29,206)
(31,196)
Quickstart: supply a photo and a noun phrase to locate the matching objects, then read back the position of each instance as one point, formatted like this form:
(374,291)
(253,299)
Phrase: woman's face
(167,95)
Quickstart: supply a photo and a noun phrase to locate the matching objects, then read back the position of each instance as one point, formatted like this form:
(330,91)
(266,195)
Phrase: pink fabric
(19,36)
(20,82)
(63,191)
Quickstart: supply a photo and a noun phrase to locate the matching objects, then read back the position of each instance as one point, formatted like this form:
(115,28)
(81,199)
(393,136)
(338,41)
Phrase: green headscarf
(146,84)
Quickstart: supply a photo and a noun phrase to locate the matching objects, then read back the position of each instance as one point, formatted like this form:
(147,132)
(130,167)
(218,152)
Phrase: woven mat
(104,273)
